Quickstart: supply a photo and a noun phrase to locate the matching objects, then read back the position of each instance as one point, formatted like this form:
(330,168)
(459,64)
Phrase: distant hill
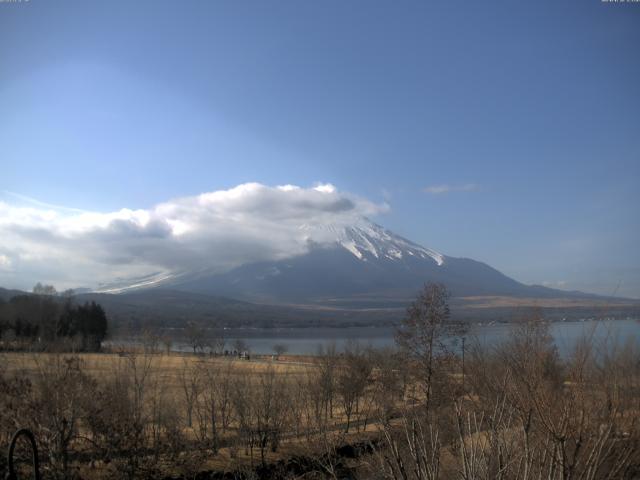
(7,294)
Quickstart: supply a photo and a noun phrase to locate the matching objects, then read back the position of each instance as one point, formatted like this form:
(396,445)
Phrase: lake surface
(307,341)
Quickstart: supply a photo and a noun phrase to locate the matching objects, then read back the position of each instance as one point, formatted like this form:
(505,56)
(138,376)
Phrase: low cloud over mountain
(216,231)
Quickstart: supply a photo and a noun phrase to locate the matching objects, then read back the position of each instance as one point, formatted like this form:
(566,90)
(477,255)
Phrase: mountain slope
(355,262)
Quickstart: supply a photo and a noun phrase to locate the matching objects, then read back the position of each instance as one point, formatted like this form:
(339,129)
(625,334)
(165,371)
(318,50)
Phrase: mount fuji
(360,264)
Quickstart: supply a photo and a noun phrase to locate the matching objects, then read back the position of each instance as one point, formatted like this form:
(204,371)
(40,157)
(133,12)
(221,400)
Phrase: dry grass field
(168,366)
(518,408)
(597,305)
(180,382)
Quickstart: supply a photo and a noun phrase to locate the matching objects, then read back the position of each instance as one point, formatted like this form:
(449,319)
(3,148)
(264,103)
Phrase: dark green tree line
(45,319)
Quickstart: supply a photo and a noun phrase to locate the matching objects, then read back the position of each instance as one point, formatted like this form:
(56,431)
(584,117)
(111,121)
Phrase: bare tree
(118,422)
(62,390)
(424,332)
(167,342)
(240,346)
(328,360)
(40,289)
(390,381)
(16,392)
(213,404)
(243,407)
(280,349)
(412,450)
(537,416)
(353,376)
(150,340)
(262,410)
(195,336)
(190,385)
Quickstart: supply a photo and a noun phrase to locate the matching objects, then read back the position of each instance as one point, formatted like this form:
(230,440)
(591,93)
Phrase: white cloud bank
(217,230)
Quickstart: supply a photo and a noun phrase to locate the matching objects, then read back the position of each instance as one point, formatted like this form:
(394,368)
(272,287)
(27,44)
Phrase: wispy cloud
(446,188)
(38,203)
(214,230)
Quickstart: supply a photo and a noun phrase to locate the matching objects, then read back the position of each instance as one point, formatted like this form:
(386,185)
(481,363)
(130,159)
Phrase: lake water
(307,341)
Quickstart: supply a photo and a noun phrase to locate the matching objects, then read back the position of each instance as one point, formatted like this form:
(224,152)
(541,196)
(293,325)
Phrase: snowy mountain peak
(364,238)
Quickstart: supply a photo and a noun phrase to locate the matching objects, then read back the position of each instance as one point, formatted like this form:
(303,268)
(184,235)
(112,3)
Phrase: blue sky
(507,132)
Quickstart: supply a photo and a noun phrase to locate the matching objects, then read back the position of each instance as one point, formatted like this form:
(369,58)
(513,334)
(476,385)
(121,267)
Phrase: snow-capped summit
(365,239)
